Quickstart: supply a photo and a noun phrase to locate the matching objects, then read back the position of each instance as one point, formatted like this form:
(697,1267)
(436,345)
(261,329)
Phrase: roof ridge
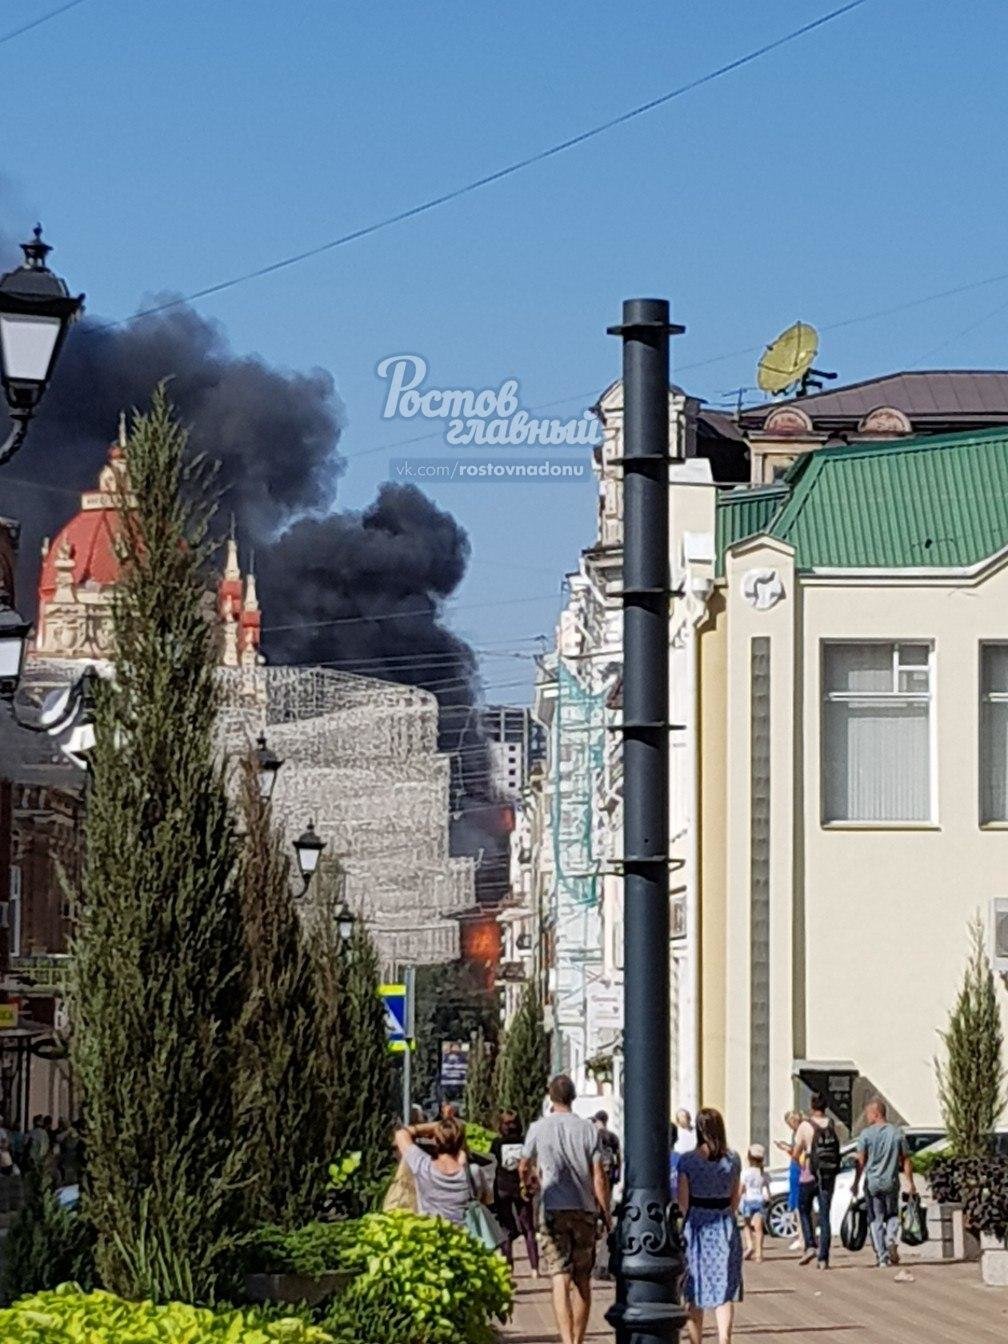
(911,443)
(864,382)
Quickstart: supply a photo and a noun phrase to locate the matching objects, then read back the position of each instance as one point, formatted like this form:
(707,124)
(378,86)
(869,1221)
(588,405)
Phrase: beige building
(839,796)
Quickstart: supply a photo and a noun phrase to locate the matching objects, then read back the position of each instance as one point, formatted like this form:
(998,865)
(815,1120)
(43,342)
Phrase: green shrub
(980,1185)
(310,1250)
(478,1139)
(46,1245)
(68,1315)
(420,1281)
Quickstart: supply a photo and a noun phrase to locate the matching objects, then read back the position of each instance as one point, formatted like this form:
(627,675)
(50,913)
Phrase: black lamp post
(267,767)
(345,922)
(36,310)
(14,632)
(648,1259)
(308,847)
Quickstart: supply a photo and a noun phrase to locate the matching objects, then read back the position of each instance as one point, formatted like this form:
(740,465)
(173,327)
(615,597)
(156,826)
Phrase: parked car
(782,1222)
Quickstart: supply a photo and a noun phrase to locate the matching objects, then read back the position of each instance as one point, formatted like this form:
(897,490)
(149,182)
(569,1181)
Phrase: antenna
(786,364)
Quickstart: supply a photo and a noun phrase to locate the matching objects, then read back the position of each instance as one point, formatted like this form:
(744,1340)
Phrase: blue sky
(169,146)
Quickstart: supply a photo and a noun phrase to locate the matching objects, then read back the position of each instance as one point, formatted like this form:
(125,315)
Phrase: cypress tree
(157,986)
(287,1127)
(366,1063)
(971,1082)
(478,1097)
(522,1073)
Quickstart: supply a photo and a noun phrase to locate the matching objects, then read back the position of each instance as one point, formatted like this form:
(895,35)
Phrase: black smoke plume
(362,592)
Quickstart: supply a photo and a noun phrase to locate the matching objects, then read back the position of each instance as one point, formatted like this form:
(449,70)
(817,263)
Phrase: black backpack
(824,1156)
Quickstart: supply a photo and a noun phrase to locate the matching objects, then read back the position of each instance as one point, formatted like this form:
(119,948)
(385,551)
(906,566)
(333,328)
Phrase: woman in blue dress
(709,1191)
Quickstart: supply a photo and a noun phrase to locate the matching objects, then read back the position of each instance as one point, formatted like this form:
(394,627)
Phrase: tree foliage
(157,988)
(288,1129)
(971,1080)
(348,976)
(478,1099)
(522,1073)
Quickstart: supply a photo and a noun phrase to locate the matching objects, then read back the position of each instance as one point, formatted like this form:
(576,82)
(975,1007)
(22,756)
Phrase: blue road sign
(396,1016)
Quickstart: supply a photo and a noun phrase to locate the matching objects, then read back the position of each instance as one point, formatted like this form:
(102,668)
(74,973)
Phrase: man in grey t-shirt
(562,1159)
(881,1155)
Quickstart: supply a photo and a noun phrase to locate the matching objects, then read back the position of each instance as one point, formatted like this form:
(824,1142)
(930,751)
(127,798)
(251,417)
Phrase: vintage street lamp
(345,922)
(14,632)
(267,765)
(308,847)
(36,310)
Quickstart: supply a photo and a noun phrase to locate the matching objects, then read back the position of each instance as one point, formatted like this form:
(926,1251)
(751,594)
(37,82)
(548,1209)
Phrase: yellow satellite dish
(788,359)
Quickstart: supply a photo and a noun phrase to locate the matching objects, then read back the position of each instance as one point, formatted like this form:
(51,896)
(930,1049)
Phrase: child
(755,1194)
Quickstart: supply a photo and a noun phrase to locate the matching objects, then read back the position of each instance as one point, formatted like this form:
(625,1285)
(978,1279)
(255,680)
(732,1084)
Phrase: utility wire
(489,179)
(36,23)
(407,615)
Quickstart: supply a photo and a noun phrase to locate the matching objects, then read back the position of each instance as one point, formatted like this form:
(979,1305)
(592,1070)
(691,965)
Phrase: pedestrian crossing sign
(397,1022)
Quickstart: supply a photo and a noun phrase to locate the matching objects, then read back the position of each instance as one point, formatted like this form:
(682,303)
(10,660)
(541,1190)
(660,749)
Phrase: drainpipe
(698,591)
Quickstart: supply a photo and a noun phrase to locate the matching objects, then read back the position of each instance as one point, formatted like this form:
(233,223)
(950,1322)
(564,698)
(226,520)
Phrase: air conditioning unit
(999,934)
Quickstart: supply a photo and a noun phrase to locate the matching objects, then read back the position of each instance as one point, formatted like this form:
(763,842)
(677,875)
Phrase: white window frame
(986,698)
(893,696)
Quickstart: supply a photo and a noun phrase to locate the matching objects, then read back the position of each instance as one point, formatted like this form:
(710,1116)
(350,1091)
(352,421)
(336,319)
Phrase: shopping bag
(401,1194)
(854,1228)
(480,1223)
(913,1224)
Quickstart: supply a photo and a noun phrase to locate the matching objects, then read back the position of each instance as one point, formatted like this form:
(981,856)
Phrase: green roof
(744,513)
(937,502)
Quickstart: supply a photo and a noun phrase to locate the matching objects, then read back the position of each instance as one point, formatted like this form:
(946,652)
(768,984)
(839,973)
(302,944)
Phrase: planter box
(993,1261)
(295,1288)
(942,1237)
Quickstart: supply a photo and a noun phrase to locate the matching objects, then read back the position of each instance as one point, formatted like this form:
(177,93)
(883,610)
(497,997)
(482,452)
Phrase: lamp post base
(647,1261)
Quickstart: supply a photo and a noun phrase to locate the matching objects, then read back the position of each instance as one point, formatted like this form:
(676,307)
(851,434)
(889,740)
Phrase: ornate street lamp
(267,765)
(346,921)
(14,632)
(36,310)
(308,847)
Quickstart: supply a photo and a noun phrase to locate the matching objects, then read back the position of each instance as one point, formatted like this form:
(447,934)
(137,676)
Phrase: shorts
(750,1207)
(567,1242)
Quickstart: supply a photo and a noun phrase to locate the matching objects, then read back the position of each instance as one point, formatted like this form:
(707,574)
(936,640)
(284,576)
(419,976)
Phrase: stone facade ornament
(762,588)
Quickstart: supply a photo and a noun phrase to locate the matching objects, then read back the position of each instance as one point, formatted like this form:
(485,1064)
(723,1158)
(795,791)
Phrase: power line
(500,174)
(408,615)
(36,23)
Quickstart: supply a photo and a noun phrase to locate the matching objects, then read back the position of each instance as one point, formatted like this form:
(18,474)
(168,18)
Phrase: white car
(783,1222)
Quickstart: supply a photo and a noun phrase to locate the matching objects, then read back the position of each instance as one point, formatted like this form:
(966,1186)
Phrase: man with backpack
(817,1148)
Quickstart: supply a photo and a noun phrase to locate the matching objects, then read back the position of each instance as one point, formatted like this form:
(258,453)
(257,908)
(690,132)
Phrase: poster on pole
(454,1065)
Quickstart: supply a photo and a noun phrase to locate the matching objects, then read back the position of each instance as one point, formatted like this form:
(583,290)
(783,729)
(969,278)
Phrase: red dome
(92,536)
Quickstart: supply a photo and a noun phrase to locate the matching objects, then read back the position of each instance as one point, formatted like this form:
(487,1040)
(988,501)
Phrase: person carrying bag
(479,1222)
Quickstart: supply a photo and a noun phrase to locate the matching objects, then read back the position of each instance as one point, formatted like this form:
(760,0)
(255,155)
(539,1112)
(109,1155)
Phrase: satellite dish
(786,363)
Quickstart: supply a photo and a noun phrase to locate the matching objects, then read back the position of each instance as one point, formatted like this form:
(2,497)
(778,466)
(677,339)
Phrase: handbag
(913,1224)
(854,1228)
(479,1222)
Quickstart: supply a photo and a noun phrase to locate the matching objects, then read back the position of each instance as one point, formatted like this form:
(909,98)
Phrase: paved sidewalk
(850,1304)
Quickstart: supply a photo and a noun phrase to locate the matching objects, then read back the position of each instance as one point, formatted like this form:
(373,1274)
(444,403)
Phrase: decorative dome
(88,540)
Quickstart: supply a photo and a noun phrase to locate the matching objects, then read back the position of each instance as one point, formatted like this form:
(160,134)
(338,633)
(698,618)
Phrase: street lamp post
(308,847)
(267,764)
(346,922)
(647,1244)
(36,310)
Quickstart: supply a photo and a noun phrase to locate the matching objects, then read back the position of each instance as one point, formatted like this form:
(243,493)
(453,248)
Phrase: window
(993,732)
(876,732)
